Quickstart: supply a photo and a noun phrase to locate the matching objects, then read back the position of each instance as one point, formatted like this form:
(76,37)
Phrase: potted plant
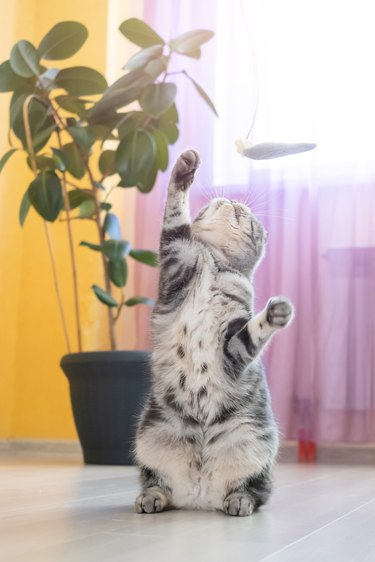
(82,138)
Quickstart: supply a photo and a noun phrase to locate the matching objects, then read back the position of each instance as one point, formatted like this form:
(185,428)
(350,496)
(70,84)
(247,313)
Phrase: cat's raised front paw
(240,505)
(279,312)
(184,169)
(150,502)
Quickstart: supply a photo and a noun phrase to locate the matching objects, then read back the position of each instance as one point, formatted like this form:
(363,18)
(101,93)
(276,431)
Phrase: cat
(207,438)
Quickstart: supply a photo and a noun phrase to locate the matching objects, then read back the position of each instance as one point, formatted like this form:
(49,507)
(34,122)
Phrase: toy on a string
(269,150)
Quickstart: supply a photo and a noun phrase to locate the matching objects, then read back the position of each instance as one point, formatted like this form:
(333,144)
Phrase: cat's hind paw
(184,169)
(151,501)
(238,504)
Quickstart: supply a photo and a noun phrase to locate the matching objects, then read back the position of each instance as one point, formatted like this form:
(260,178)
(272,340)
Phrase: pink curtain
(321,254)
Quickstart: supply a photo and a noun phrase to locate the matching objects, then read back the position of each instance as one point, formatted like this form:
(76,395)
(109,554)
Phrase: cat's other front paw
(237,504)
(184,169)
(150,502)
(279,312)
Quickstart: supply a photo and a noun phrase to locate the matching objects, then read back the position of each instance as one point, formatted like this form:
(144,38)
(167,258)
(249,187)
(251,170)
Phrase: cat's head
(232,229)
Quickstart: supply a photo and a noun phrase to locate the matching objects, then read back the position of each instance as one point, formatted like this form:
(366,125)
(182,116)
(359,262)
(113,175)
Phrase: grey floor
(62,511)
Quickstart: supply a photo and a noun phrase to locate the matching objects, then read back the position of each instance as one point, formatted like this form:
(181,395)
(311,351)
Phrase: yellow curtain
(34,397)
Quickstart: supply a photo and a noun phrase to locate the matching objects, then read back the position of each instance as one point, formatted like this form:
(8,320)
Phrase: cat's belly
(198,491)
(192,343)
(206,487)
(200,476)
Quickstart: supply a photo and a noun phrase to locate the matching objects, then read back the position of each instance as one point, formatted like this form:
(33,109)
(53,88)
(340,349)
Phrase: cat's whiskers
(207,192)
(259,197)
(274,216)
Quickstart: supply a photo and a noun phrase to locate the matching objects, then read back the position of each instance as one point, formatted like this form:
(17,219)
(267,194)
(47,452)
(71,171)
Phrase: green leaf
(82,136)
(102,132)
(40,138)
(118,272)
(116,249)
(24,59)
(167,123)
(46,80)
(139,33)
(147,182)
(78,196)
(161,149)
(145,256)
(139,300)
(155,67)
(196,54)
(107,162)
(71,121)
(24,208)
(157,98)
(105,206)
(75,163)
(72,104)
(87,209)
(81,81)
(122,92)
(60,159)
(202,93)
(6,157)
(143,57)
(104,297)
(10,81)
(188,43)
(42,163)
(112,226)
(45,195)
(62,41)
(41,123)
(130,123)
(94,247)
(135,158)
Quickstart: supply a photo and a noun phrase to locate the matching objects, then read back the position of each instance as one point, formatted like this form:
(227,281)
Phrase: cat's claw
(150,502)
(240,505)
(184,169)
(279,312)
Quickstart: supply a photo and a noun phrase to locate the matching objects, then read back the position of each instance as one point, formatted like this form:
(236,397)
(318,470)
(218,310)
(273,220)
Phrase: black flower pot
(107,390)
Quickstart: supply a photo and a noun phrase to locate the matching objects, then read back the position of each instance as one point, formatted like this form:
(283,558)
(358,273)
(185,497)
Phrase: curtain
(302,68)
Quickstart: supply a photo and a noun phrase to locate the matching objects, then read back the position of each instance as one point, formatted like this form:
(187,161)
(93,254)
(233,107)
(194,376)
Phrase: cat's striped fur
(207,438)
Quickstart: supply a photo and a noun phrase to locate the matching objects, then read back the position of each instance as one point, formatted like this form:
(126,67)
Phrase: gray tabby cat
(207,438)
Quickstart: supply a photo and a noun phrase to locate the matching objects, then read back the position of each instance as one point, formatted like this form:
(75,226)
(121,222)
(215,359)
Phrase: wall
(34,400)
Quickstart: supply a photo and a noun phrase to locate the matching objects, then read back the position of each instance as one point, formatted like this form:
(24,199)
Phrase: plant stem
(109,192)
(72,253)
(51,252)
(120,307)
(107,281)
(78,219)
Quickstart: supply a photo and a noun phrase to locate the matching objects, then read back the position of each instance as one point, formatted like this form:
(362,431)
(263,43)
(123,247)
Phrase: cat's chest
(198,331)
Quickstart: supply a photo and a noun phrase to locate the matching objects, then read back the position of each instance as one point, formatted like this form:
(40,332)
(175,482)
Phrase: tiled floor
(53,512)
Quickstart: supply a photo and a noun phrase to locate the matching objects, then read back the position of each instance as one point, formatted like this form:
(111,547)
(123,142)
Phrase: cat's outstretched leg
(277,314)
(177,211)
(155,496)
(248,339)
(247,496)
(177,256)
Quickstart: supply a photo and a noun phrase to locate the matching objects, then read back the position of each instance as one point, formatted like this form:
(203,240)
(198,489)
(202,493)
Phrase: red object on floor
(306,451)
